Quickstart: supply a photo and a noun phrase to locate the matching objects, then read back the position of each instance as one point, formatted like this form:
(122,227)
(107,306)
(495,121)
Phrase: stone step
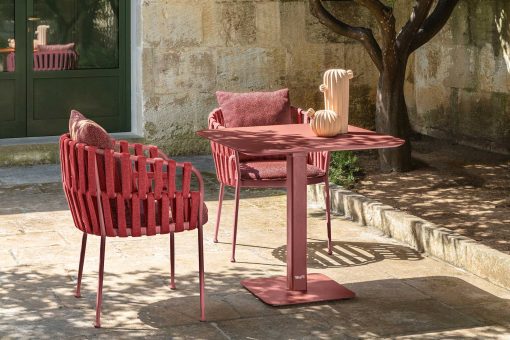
(39,150)
(50,173)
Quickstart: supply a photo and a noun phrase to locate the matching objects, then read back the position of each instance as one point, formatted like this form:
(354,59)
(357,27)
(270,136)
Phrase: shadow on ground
(458,187)
(351,254)
(36,303)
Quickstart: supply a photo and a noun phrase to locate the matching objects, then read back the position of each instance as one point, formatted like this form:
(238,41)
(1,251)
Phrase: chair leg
(328,215)
(99,297)
(201,274)
(218,216)
(172,261)
(236,215)
(80,268)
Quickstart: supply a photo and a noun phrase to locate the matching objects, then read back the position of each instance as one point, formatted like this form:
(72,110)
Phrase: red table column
(296,222)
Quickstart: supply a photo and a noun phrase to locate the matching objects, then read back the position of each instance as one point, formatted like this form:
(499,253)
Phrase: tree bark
(392,117)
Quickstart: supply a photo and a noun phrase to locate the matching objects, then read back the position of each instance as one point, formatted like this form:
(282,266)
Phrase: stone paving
(400,293)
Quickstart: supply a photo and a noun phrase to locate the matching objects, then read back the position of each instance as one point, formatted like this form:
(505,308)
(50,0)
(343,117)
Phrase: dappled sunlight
(394,284)
(463,189)
(503,26)
(351,254)
(39,302)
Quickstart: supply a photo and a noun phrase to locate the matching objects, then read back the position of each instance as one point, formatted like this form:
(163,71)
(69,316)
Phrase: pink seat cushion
(64,47)
(273,170)
(255,108)
(83,130)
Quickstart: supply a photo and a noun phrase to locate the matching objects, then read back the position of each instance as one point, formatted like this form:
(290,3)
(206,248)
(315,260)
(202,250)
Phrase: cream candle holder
(336,94)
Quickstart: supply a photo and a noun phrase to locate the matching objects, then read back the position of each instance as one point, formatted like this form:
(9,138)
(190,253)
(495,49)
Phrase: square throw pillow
(87,131)
(255,108)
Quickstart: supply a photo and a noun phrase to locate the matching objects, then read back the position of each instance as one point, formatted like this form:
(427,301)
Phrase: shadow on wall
(503,27)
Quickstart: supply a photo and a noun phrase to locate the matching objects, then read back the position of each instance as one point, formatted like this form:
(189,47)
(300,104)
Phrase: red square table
(296,141)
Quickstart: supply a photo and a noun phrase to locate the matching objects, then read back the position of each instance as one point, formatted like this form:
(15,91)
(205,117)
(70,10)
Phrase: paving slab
(401,293)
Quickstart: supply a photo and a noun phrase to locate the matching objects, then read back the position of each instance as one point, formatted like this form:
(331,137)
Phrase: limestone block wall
(459,88)
(191,48)
(458,85)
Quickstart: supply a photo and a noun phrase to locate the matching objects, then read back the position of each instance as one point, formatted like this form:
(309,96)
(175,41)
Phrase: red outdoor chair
(241,171)
(52,60)
(130,192)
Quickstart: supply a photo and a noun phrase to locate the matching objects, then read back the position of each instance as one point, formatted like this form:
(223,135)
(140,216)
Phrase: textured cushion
(64,47)
(143,219)
(83,130)
(273,170)
(255,108)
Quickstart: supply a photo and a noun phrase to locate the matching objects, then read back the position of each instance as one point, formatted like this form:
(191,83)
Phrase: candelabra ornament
(336,94)
(42,34)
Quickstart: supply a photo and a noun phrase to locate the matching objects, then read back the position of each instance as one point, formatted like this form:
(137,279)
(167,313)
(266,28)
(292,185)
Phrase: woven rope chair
(130,192)
(234,170)
(57,60)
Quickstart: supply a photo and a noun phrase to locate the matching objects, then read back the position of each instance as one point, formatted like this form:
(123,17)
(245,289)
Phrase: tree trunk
(392,118)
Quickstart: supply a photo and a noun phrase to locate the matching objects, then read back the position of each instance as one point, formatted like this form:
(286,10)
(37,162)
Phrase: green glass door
(74,54)
(13,107)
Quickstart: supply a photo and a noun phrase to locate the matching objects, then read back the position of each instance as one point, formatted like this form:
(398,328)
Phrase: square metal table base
(273,290)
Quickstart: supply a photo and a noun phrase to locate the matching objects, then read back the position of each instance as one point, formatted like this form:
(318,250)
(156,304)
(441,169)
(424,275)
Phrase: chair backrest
(55,60)
(127,192)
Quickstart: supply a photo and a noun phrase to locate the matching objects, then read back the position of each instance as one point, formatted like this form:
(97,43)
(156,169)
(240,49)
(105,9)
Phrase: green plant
(344,169)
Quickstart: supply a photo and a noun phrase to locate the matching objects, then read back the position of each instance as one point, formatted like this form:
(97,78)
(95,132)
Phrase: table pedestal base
(274,292)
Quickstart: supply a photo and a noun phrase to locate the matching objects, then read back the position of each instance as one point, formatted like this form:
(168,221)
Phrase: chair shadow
(351,254)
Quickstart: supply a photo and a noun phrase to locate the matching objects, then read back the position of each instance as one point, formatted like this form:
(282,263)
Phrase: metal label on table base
(273,290)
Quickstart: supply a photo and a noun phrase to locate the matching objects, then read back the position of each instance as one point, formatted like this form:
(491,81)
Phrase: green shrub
(344,169)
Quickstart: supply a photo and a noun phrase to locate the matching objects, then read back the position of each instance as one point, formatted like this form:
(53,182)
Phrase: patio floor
(401,293)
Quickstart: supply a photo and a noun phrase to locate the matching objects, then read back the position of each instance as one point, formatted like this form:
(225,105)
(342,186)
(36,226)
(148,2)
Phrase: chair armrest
(319,159)
(224,157)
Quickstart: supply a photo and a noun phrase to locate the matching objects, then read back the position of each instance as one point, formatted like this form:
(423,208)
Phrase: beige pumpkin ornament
(324,123)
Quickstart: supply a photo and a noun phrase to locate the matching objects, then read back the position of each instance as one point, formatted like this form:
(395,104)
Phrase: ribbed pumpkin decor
(324,123)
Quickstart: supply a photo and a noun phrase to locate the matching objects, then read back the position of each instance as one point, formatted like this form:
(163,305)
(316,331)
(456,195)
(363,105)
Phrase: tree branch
(420,12)
(377,8)
(386,20)
(362,34)
(434,23)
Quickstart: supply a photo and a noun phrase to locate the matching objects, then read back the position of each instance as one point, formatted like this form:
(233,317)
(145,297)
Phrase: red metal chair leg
(236,215)
(218,216)
(99,298)
(201,274)
(328,215)
(172,261)
(80,268)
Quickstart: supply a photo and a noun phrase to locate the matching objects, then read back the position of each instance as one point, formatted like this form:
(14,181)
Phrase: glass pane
(75,34)
(7,42)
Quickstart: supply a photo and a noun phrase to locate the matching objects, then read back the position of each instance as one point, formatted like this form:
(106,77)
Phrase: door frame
(123,72)
(18,126)
(24,75)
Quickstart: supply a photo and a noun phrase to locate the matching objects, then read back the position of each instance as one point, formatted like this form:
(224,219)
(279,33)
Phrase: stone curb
(418,233)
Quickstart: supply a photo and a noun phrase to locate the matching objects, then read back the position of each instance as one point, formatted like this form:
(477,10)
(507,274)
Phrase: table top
(296,138)
(6,50)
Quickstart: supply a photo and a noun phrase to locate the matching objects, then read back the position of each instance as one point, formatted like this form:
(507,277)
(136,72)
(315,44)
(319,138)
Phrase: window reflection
(83,32)
(7,43)
(67,34)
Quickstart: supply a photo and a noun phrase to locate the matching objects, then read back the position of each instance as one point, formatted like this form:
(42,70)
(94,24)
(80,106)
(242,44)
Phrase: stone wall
(457,85)
(459,88)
